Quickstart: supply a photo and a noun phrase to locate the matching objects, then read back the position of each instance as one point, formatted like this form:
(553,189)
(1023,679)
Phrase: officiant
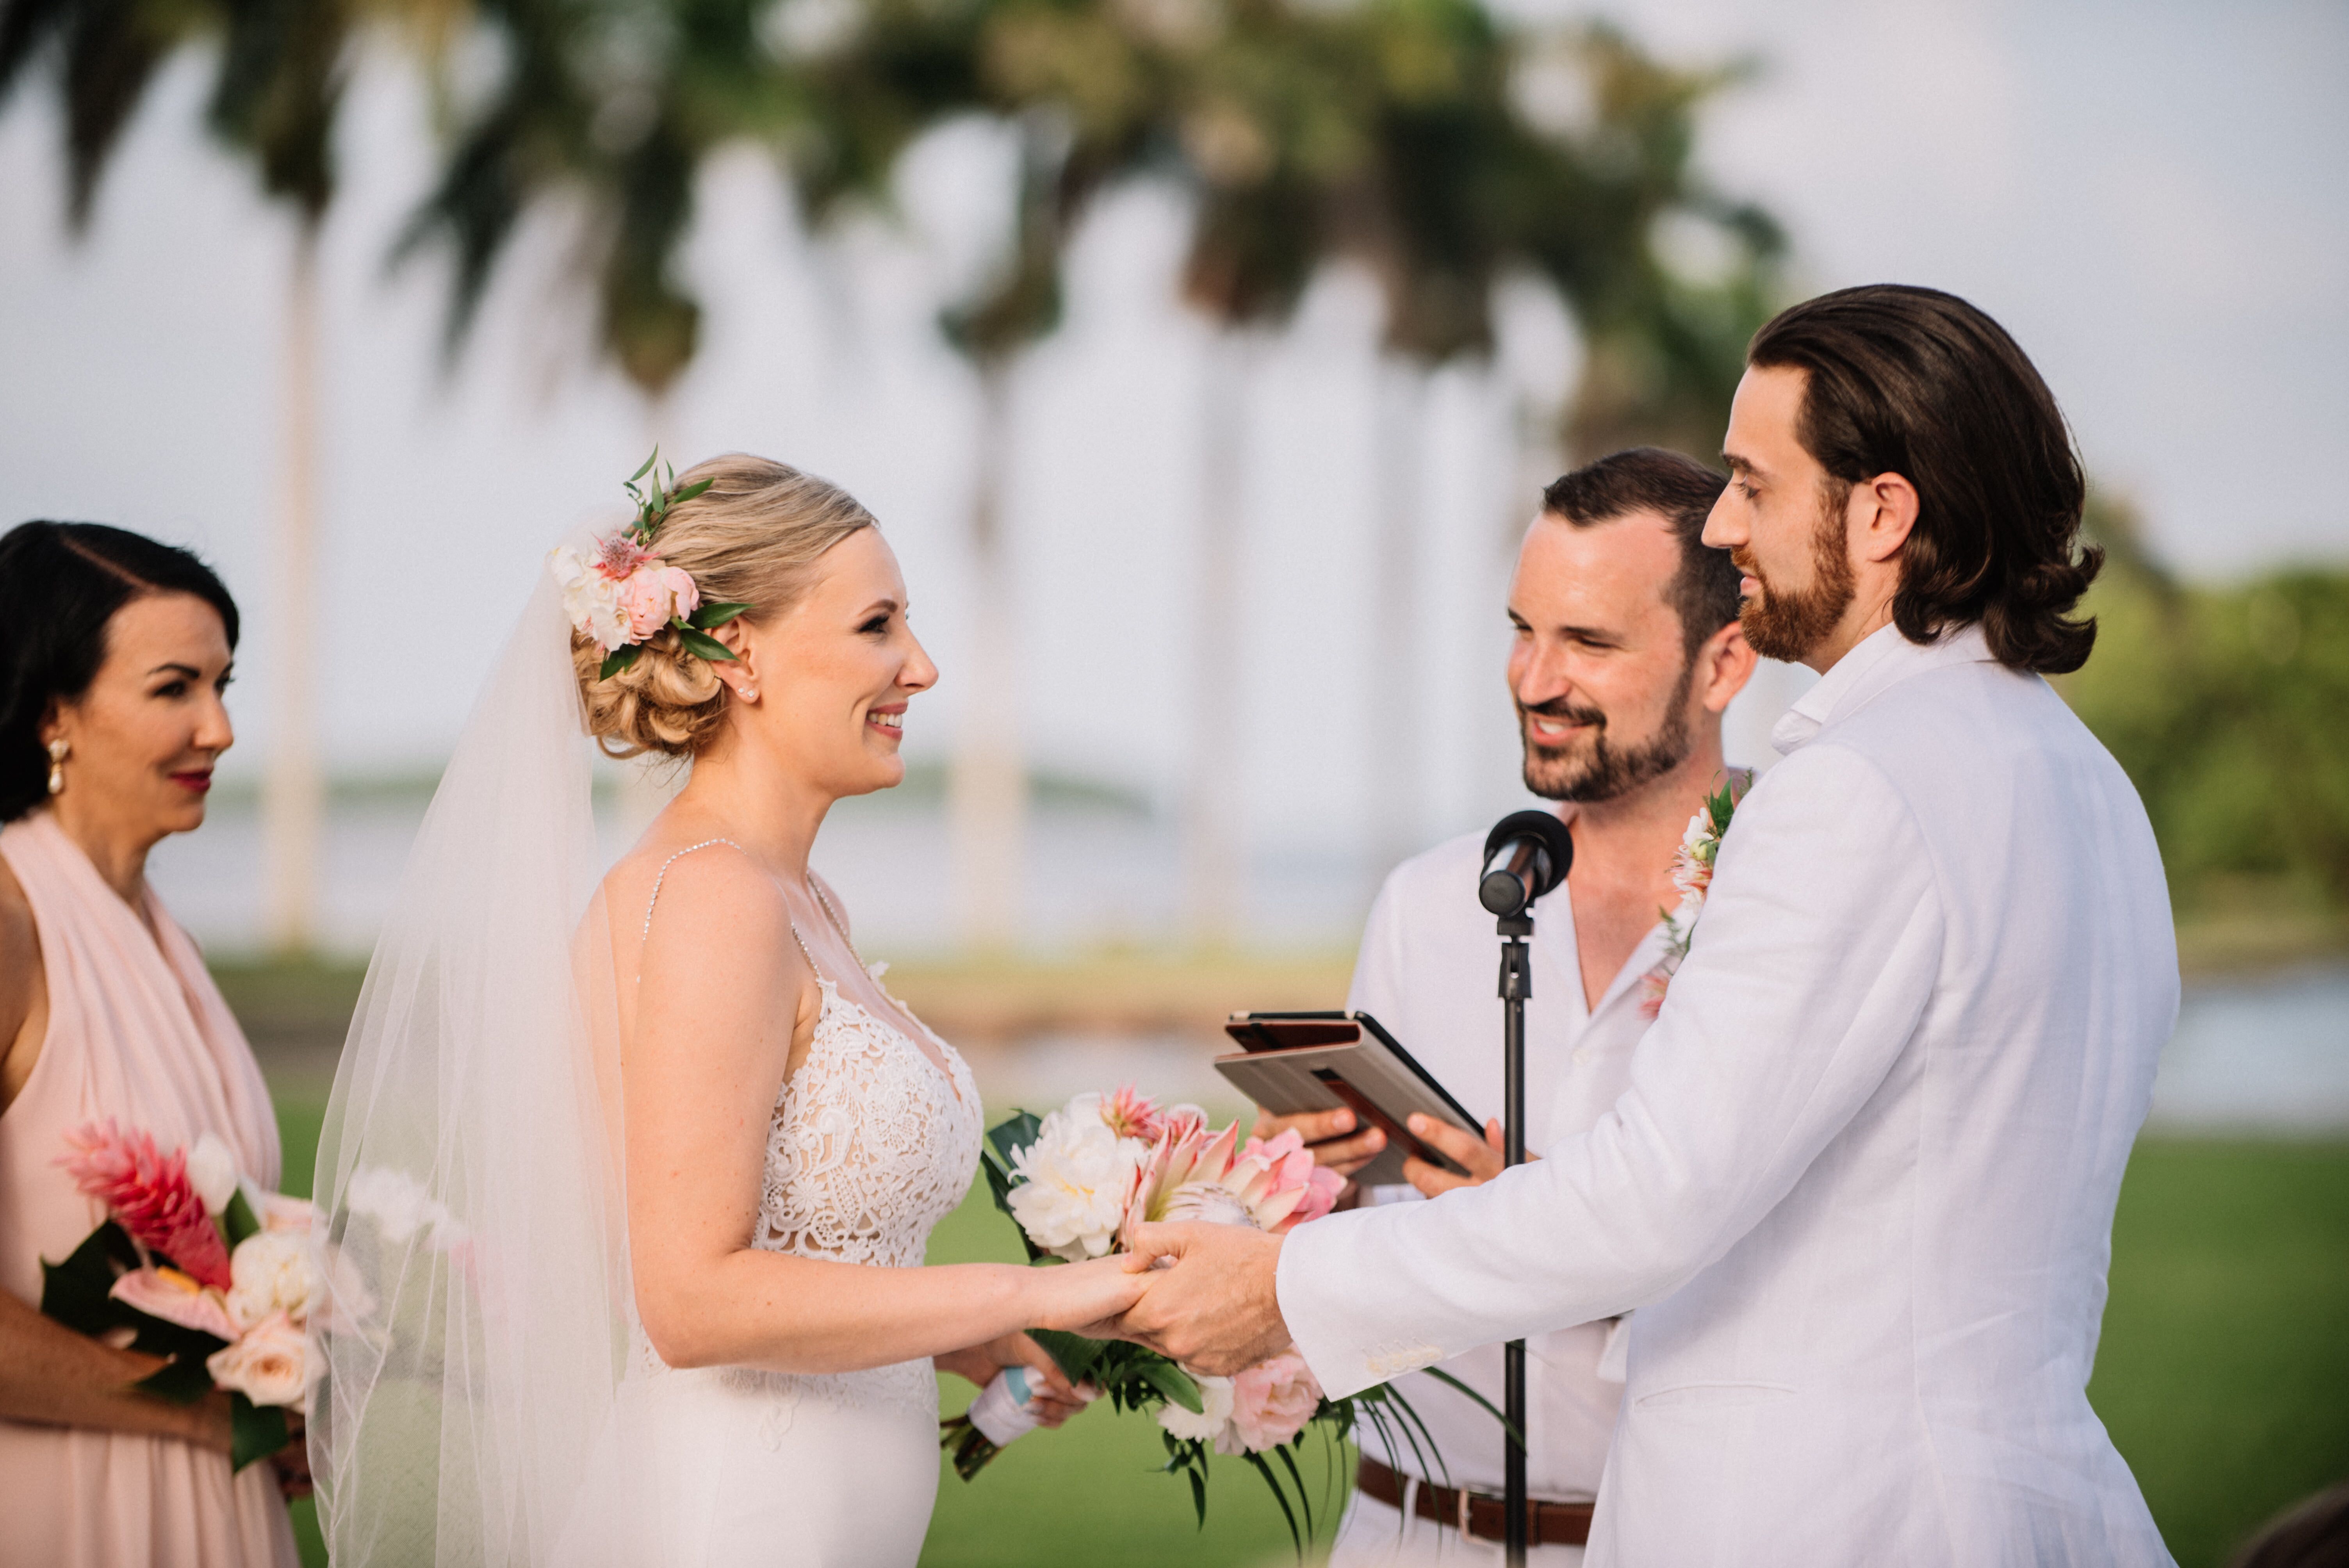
(1627,650)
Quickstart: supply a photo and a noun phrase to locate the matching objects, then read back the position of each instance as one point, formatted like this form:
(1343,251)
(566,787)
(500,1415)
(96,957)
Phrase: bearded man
(1861,1185)
(1627,651)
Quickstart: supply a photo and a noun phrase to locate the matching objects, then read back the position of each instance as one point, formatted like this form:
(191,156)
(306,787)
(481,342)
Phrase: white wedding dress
(489,1400)
(869,1146)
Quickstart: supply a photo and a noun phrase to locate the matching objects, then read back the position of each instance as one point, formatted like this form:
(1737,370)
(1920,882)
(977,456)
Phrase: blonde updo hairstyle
(754,538)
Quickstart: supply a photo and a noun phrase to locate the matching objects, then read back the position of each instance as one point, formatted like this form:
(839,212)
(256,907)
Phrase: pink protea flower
(1273,1186)
(148,1191)
(1181,1121)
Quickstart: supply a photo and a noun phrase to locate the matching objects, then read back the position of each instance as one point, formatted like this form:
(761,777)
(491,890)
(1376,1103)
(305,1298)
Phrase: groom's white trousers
(1375,1535)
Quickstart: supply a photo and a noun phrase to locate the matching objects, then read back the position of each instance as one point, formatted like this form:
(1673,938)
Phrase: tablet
(1290,1063)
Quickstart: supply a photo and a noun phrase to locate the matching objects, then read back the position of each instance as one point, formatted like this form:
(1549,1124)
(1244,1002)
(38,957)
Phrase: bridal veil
(468,1171)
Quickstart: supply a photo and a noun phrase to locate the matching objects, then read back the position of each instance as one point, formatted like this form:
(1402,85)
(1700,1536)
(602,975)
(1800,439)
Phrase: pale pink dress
(139,1032)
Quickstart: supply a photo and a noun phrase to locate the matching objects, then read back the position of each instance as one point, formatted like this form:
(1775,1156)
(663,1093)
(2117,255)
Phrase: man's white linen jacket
(1862,1182)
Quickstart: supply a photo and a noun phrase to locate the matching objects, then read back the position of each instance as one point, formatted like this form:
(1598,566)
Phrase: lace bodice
(870,1145)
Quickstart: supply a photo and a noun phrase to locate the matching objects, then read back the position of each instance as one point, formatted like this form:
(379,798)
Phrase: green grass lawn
(2223,1376)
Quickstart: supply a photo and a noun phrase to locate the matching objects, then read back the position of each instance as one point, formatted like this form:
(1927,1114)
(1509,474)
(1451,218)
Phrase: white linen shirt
(1428,970)
(1862,1182)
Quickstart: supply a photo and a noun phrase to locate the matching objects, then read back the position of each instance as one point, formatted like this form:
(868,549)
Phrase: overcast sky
(2151,196)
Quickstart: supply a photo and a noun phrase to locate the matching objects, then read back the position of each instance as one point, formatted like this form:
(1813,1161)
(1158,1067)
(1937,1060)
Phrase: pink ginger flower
(149,1193)
(1273,1400)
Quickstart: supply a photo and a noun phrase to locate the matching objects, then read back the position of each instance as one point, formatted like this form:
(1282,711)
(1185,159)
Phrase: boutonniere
(1692,874)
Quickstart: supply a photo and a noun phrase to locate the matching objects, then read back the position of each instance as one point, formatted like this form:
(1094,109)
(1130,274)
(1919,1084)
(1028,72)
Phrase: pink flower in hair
(618,556)
(654,594)
(149,1193)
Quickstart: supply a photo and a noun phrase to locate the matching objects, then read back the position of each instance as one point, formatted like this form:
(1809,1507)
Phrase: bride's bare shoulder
(700,885)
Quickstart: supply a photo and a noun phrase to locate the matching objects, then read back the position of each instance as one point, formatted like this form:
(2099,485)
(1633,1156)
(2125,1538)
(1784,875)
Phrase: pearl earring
(57,750)
(749,694)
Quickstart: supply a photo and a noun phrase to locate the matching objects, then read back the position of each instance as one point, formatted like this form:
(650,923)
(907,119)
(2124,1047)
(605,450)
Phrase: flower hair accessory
(625,595)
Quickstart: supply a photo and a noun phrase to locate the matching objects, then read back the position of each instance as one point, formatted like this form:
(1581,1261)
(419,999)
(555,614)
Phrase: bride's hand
(1054,1398)
(1084,1298)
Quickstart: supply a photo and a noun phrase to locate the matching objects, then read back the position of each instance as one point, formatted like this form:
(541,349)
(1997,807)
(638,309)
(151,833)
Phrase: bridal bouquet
(197,1264)
(1076,1180)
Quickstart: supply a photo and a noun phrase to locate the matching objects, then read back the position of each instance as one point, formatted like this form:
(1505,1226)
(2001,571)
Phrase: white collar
(1882,659)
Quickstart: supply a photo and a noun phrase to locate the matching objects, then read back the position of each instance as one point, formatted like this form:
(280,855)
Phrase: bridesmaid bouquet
(1076,1180)
(197,1264)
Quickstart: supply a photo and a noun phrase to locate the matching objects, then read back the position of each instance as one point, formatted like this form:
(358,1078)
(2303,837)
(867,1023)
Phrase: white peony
(211,1171)
(1212,1423)
(270,1273)
(591,599)
(1078,1175)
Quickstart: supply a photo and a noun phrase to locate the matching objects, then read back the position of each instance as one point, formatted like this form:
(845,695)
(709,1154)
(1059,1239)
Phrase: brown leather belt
(1486,1516)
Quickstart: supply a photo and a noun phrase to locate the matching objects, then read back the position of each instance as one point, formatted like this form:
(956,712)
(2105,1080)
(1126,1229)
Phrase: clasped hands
(1212,1302)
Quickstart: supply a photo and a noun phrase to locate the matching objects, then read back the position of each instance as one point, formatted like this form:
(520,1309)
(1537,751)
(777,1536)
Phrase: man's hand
(1327,1134)
(1481,1161)
(1212,1305)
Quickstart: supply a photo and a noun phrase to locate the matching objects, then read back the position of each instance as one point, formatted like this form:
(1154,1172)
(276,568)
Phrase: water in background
(1100,872)
(2267,1054)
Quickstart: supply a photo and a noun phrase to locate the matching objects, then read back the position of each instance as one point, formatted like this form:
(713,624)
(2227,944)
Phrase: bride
(630,1175)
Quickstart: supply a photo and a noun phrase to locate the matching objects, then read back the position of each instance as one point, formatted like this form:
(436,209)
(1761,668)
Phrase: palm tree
(282,67)
(1427,212)
(1263,126)
(1664,351)
(1016,307)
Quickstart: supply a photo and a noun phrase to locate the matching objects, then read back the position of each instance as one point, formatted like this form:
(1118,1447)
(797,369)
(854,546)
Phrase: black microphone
(1526,855)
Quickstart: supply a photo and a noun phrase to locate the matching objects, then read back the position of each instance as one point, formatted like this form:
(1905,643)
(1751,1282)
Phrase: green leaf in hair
(714,615)
(707,646)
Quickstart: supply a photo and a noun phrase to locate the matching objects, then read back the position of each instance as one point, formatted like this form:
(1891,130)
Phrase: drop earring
(57,751)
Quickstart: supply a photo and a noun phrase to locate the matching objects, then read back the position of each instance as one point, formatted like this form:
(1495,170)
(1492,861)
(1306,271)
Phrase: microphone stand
(1517,984)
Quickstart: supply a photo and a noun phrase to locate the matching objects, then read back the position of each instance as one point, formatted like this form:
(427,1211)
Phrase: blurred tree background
(2229,707)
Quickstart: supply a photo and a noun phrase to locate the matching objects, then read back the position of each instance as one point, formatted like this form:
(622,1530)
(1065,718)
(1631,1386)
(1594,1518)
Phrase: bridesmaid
(114,651)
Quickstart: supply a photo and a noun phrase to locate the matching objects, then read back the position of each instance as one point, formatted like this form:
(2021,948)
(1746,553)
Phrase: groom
(1862,1181)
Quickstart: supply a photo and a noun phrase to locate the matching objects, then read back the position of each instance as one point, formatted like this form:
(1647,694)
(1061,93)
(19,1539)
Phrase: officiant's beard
(1594,770)
(1784,623)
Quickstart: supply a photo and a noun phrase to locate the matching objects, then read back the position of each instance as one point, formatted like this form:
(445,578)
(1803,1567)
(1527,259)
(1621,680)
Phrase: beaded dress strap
(663,875)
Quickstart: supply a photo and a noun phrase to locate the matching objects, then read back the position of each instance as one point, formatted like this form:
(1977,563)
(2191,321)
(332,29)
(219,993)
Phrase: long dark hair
(60,583)
(1917,382)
